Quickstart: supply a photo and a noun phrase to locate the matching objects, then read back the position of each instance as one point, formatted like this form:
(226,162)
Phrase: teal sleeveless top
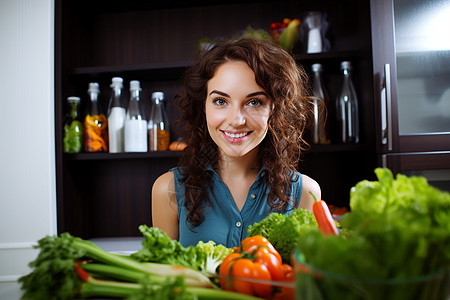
(223,223)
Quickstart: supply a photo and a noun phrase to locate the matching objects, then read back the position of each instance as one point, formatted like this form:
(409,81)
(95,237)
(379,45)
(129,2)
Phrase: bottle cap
(317,67)
(93,87)
(346,65)
(135,85)
(158,95)
(73,99)
(117,82)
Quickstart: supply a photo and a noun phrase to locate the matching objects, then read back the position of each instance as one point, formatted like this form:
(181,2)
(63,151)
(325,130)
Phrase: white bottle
(135,123)
(116,117)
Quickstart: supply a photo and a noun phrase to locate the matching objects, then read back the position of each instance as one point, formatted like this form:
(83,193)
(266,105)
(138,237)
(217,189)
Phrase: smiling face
(237,109)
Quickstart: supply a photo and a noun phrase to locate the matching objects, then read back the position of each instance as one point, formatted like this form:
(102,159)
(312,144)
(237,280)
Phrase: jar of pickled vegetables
(95,123)
(73,127)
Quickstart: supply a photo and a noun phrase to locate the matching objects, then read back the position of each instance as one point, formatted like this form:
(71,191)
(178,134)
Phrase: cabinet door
(411,65)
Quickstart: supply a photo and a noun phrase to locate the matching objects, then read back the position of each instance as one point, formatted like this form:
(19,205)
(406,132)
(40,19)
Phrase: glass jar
(73,127)
(95,123)
(158,125)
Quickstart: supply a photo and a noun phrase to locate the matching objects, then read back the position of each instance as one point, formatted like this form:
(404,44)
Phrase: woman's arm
(307,200)
(164,205)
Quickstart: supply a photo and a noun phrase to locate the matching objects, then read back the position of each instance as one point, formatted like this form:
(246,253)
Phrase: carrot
(323,217)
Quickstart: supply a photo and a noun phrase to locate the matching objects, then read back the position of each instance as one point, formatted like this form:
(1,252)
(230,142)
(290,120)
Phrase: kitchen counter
(119,244)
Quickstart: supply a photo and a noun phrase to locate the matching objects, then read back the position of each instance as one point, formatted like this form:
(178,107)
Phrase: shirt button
(253,196)
(238,224)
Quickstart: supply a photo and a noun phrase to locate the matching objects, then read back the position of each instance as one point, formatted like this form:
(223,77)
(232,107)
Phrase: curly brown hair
(286,84)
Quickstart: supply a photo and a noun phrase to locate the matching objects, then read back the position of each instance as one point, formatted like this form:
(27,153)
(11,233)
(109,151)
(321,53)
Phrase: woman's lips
(236,137)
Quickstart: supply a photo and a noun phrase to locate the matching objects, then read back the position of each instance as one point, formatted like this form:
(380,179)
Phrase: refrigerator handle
(386,109)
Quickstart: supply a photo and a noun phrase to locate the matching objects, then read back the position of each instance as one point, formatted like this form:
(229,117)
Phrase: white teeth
(235,136)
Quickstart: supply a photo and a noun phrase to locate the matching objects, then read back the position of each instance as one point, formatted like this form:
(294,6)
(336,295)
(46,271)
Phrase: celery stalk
(193,278)
(95,289)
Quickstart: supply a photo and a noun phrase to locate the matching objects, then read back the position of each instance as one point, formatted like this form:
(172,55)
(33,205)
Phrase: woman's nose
(237,118)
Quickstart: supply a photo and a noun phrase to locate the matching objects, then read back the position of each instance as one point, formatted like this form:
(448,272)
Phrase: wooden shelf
(125,155)
(160,70)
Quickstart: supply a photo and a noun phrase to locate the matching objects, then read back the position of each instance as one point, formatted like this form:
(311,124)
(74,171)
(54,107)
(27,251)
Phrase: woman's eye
(220,101)
(255,102)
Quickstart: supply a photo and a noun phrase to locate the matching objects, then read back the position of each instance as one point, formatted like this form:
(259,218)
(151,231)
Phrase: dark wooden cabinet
(109,195)
(411,91)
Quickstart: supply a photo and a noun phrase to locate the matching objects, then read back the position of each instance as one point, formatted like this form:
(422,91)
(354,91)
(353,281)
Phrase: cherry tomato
(288,272)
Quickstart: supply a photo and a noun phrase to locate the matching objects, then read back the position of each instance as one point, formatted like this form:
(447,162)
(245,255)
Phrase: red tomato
(272,263)
(287,293)
(225,269)
(243,267)
(258,243)
(288,272)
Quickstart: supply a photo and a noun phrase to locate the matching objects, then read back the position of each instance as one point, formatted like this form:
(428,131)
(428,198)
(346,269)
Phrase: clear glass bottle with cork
(116,116)
(135,123)
(95,123)
(158,124)
(73,127)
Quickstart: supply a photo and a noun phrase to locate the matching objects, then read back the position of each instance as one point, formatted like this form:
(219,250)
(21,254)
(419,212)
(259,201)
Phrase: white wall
(27,155)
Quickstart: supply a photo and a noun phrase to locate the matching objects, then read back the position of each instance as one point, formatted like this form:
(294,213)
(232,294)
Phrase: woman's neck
(242,166)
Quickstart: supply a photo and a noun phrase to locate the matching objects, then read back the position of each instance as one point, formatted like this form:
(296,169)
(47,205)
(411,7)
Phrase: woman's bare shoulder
(165,180)
(309,186)
(164,205)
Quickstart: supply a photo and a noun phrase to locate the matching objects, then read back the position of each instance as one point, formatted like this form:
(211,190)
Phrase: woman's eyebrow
(248,96)
(257,94)
(220,93)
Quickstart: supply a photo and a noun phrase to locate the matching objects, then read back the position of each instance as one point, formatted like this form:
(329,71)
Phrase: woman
(244,110)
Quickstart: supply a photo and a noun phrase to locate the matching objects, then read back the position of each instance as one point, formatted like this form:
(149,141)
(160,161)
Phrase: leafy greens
(159,247)
(398,229)
(283,231)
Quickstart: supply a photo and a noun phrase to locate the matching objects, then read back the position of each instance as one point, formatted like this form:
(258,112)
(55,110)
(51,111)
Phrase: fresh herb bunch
(54,275)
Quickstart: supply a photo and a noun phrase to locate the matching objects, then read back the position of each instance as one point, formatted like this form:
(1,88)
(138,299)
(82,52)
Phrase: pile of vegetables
(394,244)
(68,267)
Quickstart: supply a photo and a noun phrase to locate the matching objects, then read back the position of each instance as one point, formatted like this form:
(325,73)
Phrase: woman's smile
(236,136)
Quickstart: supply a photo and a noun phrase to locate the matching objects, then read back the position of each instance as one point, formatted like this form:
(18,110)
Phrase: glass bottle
(116,117)
(135,123)
(95,123)
(347,108)
(158,125)
(321,126)
(73,128)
